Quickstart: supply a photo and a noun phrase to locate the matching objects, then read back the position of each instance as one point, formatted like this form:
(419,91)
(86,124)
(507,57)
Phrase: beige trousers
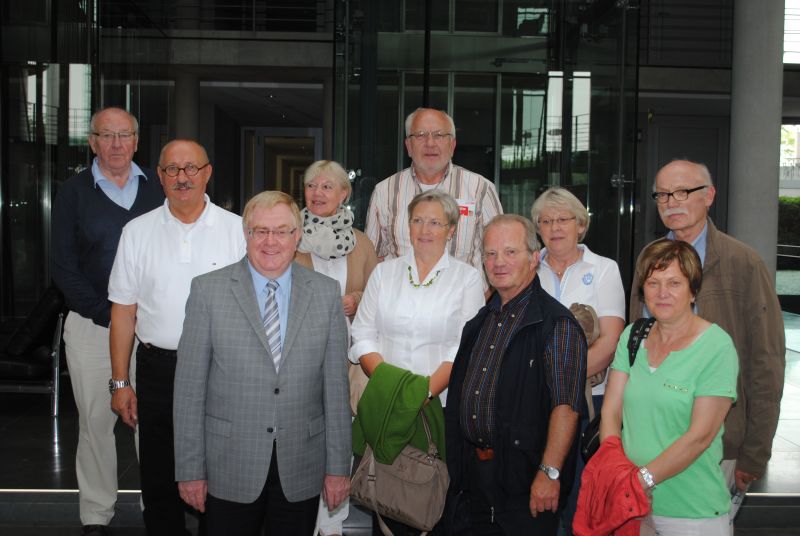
(89,362)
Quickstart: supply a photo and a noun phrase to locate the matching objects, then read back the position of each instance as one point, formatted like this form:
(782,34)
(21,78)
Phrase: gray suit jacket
(230,404)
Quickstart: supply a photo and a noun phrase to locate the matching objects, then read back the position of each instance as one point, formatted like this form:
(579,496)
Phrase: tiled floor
(783,471)
(38,452)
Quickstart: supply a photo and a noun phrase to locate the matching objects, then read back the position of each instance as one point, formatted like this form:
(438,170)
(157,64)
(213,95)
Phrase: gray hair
(561,198)
(449,204)
(412,115)
(93,120)
(530,230)
(332,169)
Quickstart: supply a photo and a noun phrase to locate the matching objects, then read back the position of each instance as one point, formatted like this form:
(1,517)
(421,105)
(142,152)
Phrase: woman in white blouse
(572,273)
(415,306)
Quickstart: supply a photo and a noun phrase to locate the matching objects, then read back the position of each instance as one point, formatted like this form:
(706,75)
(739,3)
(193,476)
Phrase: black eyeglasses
(679,195)
(190,170)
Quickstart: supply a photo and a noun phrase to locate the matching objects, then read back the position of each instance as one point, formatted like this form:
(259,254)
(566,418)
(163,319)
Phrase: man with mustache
(159,254)
(738,294)
(88,216)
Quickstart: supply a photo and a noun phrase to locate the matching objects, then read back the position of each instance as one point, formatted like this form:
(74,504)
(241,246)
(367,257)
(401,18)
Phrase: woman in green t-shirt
(670,405)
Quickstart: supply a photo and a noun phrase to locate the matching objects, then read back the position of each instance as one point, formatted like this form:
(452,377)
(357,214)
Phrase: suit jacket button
(277,390)
(270,429)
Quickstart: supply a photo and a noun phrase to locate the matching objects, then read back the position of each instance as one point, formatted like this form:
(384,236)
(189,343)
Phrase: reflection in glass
(524,161)
(526,18)
(415,15)
(581,127)
(476,15)
(473,114)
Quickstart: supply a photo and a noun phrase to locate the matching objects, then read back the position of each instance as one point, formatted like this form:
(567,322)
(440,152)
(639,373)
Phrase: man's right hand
(193,493)
(123,403)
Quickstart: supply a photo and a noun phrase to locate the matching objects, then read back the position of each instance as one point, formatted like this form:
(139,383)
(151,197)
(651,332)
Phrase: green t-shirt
(657,410)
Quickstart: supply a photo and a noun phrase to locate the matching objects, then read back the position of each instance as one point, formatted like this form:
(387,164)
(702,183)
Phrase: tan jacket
(738,294)
(360,263)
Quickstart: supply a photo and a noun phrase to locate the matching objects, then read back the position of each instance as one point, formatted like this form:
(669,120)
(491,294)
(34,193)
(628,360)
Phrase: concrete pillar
(187,106)
(756,102)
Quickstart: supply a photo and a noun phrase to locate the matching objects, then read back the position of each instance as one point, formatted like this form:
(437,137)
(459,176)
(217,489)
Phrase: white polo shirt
(594,281)
(157,258)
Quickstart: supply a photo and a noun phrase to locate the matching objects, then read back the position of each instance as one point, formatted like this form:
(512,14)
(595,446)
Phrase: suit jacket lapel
(298,305)
(243,292)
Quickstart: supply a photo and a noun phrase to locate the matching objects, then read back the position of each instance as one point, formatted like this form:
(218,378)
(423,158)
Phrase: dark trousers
(163,507)
(488,518)
(283,518)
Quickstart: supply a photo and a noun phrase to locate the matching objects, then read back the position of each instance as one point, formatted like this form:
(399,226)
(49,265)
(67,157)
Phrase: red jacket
(611,499)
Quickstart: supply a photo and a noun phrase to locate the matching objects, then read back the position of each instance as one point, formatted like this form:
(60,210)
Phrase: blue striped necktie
(272,323)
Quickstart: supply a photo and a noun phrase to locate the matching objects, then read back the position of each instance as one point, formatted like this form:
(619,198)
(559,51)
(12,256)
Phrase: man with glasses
(159,254)
(430,142)
(738,294)
(262,415)
(88,216)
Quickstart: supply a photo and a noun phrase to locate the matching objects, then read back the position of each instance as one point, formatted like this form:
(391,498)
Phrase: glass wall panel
(526,18)
(385,121)
(474,114)
(45,98)
(476,15)
(415,15)
(526,161)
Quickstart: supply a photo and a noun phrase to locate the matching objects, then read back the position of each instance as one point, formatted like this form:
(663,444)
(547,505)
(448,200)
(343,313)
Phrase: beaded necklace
(425,285)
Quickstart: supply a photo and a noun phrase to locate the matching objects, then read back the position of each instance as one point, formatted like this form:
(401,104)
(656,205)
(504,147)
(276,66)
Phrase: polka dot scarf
(328,238)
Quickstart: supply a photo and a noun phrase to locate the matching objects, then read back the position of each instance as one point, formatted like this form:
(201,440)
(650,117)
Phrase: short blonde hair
(332,168)
(561,198)
(267,200)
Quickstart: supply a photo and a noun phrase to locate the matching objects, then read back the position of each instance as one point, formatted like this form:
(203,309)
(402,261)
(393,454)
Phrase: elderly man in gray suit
(262,422)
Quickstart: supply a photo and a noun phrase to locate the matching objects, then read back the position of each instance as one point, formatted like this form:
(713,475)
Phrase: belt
(484,455)
(153,349)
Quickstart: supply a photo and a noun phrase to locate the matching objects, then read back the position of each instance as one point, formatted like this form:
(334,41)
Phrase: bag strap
(433,450)
(639,332)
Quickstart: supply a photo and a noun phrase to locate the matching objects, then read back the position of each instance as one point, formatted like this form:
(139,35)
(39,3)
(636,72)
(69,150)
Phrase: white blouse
(593,280)
(416,328)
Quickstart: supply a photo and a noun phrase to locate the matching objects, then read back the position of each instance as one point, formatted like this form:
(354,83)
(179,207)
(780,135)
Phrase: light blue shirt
(124,196)
(283,295)
(699,243)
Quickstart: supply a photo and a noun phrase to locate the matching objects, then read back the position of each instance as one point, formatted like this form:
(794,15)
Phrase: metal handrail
(244,15)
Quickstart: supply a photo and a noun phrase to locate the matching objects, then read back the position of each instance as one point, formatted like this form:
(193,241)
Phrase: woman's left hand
(349,304)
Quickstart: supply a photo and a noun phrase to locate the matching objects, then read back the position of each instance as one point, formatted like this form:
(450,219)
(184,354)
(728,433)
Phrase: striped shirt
(563,366)
(387,218)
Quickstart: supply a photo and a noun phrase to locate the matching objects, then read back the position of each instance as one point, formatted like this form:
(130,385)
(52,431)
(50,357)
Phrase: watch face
(551,472)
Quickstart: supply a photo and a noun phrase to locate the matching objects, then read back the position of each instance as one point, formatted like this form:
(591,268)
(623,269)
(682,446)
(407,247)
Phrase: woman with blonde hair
(331,246)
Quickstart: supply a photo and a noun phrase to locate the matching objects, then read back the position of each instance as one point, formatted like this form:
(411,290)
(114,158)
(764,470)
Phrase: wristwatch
(113,384)
(551,472)
(647,476)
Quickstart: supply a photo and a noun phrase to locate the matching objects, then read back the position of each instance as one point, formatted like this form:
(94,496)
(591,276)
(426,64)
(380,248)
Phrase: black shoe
(95,530)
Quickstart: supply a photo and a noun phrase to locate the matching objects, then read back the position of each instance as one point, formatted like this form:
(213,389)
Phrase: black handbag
(590,437)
